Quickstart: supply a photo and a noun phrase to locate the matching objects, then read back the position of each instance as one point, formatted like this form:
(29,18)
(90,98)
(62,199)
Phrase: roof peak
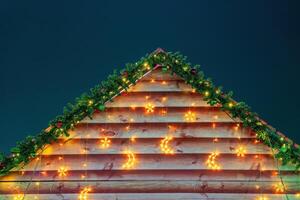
(159,50)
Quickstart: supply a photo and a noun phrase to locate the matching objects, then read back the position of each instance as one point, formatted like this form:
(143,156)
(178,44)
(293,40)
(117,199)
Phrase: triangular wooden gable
(180,148)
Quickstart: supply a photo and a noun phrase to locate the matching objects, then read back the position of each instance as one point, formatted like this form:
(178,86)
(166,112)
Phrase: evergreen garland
(286,151)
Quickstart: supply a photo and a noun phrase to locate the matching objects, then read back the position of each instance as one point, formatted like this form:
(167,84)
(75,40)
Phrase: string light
(164,145)
(211,161)
(84,193)
(240,151)
(190,116)
(105,142)
(131,160)
(62,171)
(149,108)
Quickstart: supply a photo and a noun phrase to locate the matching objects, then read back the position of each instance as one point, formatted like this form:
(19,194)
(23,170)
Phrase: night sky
(52,51)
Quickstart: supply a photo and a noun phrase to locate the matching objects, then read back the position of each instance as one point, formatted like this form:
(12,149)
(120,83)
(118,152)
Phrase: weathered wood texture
(183,175)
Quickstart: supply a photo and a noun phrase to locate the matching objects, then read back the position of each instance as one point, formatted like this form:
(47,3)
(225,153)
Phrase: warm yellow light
(44,173)
(164,145)
(37,183)
(236,128)
(206,93)
(230,105)
(214,125)
(279,188)
(164,83)
(152,80)
(163,99)
(146,65)
(190,116)
(19,197)
(84,193)
(133,138)
(147,97)
(149,108)
(211,161)
(298,194)
(163,112)
(90,102)
(84,165)
(62,171)
(131,160)
(240,151)
(133,107)
(262,198)
(35,197)
(105,142)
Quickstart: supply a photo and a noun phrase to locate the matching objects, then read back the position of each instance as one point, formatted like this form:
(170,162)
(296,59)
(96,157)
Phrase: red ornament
(59,124)
(125,74)
(2,166)
(193,71)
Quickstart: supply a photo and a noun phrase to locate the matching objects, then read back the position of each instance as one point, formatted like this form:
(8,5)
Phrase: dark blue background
(52,51)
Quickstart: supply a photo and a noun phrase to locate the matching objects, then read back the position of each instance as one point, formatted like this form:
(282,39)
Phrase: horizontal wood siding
(183,175)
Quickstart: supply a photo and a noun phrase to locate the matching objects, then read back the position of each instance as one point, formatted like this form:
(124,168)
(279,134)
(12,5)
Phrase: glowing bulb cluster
(211,161)
(62,171)
(240,151)
(149,108)
(19,197)
(84,193)
(164,145)
(105,142)
(279,188)
(131,160)
(190,116)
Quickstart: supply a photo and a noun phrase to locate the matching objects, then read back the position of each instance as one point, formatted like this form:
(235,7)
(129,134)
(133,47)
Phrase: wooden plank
(159,130)
(126,115)
(156,175)
(157,196)
(153,162)
(158,75)
(152,146)
(161,86)
(148,187)
(158,99)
